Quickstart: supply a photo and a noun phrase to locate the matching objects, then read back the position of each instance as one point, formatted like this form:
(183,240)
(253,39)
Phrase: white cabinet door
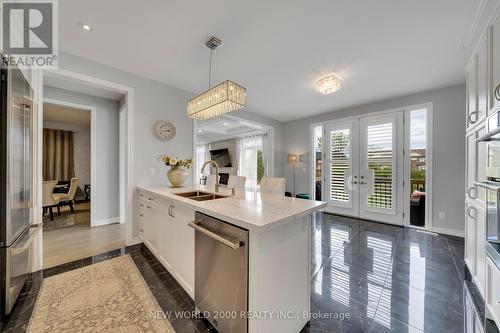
(472,93)
(492,298)
(167,233)
(495,70)
(475,163)
(470,236)
(475,233)
(149,228)
(184,247)
(480,251)
(482,82)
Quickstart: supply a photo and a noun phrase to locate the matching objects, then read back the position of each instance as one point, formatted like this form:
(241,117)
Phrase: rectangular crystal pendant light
(223,98)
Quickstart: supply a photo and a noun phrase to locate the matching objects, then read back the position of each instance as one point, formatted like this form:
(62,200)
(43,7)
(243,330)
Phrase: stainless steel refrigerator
(17,230)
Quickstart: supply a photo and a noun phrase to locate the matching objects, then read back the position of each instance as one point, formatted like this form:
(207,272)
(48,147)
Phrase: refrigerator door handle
(17,250)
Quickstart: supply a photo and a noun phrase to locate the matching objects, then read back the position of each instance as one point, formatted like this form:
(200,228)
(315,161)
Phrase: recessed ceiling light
(85,27)
(225,124)
(328,84)
(200,131)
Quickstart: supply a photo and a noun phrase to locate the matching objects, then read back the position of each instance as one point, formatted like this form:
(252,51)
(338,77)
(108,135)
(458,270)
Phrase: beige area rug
(110,296)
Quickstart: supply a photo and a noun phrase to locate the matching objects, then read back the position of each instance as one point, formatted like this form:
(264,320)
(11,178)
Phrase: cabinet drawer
(493,290)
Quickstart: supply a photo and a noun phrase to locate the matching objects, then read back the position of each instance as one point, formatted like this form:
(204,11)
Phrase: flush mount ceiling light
(84,26)
(223,98)
(328,84)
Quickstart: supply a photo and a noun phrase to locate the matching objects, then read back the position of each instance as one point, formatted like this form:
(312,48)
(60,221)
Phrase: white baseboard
(446,231)
(106,221)
(135,240)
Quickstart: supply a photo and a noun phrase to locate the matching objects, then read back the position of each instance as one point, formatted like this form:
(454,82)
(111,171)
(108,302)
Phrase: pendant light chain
(210,70)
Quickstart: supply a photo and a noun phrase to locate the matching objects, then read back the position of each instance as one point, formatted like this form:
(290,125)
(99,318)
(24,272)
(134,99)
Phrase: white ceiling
(225,127)
(66,115)
(276,49)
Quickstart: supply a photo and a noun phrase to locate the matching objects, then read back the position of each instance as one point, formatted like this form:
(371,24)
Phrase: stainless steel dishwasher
(221,273)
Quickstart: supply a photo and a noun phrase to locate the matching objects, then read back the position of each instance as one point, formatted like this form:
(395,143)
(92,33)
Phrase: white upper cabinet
(495,64)
(472,93)
(482,82)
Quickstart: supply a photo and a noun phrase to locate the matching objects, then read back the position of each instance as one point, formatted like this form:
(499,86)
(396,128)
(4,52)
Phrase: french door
(364,167)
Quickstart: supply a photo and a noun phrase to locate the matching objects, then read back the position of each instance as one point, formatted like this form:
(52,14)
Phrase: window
(418,166)
(318,148)
(252,157)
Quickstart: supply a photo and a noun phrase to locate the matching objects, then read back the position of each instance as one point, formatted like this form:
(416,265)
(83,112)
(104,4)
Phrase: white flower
(172,161)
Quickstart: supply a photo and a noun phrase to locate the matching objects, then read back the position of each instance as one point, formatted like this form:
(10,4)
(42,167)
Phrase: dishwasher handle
(200,228)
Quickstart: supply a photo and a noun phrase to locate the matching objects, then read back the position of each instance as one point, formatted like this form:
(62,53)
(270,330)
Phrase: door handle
(172,213)
(469,210)
(200,228)
(26,246)
(170,210)
(354,182)
(469,190)
(497,92)
(470,117)
(362,183)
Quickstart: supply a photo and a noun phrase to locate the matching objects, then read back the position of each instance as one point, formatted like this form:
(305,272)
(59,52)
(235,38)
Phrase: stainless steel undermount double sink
(200,195)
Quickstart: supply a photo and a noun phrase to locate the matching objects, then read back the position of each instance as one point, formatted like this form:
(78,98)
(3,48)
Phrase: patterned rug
(110,296)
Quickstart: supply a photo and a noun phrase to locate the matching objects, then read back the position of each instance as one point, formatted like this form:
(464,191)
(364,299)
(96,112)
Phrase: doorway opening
(84,161)
(247,145)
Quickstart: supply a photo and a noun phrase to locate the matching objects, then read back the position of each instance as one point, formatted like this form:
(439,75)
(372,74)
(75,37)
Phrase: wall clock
(164,130)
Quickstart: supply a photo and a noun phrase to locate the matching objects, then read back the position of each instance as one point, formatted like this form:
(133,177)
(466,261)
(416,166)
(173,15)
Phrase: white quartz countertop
(254,211)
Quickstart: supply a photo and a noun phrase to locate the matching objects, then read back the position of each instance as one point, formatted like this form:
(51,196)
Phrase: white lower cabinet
(492,298)
(167,234)
(475,234)
(184,247)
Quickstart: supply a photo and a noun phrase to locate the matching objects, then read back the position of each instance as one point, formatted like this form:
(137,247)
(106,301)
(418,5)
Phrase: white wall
(81,151)
(105,204)
(448,154)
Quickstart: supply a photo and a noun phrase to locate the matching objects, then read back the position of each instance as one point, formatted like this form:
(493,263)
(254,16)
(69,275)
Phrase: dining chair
(68,199)
(48,200)
(236,182)
(273,185)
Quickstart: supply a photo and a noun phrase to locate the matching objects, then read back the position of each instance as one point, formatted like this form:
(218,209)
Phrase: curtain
(265,153)
(58,163)
(202,155)
(248,152)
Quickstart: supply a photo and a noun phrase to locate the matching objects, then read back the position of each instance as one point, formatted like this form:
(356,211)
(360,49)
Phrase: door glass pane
(380,162)
(318,148)
(418,166)
(340,157)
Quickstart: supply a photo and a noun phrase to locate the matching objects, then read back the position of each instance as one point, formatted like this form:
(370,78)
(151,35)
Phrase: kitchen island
(278,246)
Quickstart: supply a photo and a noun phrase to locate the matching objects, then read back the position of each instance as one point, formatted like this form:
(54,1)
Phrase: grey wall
(154,101)
(448,146)
(106,184)
(81,151)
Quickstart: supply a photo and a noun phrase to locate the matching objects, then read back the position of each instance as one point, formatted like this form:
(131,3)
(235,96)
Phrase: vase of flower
(178,173)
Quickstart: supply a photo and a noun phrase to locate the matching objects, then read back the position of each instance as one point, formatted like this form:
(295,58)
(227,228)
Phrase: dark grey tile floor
(384,278)
(372,277)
